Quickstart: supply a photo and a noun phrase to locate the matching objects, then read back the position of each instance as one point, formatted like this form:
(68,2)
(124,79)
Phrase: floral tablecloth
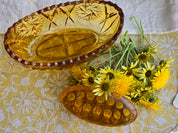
(30,99)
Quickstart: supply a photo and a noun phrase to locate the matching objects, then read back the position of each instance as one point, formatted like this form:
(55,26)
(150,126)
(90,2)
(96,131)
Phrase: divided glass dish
(63,35)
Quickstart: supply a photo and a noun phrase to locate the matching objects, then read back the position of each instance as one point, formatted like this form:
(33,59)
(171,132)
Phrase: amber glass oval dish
(63,35)
(81,102)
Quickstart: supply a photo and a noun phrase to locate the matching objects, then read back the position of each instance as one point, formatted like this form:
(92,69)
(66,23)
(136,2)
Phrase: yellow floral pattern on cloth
(30,99)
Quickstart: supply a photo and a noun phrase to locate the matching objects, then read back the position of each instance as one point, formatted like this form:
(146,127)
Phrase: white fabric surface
(158,16)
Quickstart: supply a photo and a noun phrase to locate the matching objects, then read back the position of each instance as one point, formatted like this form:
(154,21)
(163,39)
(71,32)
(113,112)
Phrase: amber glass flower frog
(83,103)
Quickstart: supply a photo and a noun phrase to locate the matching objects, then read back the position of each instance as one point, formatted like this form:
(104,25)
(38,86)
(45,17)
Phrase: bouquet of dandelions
(127,71)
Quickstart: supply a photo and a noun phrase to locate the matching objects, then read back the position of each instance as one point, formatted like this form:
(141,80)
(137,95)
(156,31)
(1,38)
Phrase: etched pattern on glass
(65,31)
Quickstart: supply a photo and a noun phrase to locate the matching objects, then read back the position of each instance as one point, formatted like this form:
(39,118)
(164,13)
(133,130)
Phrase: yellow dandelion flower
(146,91)
(77,73)
(133,99)
(152,106)
(160,78)
(131,70)
(134,96)
(107,72)
(88,79)
(138,84)
(103,87)
(92,70)
(165,63)
(136,92)
(152,49)
(142,57)
(147,72)
(123,84)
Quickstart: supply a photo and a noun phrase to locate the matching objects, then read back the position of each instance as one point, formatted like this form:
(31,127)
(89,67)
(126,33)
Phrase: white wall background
(158,16)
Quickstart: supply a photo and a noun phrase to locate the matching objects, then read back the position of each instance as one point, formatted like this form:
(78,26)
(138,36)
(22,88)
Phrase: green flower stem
(125,36)
(127,58)
(89,62)
(147,40)
(136,22)
(110,57)
(141,30)
(157,57)
(112,52)
(121,64)
(142,34)
(133,53)
(121,57)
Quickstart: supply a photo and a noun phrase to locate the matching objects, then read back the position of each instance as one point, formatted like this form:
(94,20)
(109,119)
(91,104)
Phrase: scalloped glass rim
(72,61)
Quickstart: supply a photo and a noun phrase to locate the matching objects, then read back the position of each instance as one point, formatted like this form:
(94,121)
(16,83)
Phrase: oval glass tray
(63,35)
(81,102)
